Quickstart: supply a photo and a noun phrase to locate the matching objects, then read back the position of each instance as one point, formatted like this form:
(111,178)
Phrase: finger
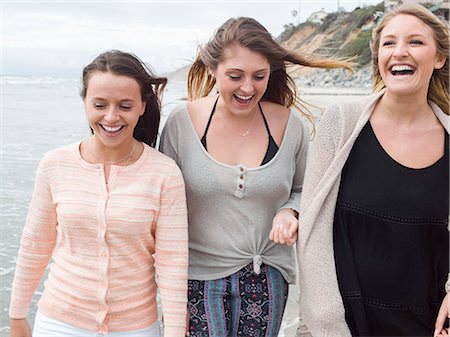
(279,231)
(271,234)
(443,333)
(440,320)
(293,239)
(282,232)
(287,236)
(293,228)
(188,320)
(274,234)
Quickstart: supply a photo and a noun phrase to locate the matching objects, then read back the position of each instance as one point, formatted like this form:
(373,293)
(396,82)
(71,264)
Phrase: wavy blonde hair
(249,33)
(438,91)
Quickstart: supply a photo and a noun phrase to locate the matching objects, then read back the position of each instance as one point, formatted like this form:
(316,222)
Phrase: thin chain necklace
(247,132)
(129,155)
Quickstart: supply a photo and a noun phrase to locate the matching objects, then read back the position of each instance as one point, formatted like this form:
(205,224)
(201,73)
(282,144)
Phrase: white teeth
(245,98)
(402,67)
(112,128)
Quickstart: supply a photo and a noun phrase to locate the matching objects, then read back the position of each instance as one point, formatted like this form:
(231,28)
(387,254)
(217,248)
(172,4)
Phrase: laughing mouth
(403,69)
(243,99)
(111,129)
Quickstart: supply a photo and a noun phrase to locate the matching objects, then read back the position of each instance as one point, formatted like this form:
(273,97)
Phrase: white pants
(45,326)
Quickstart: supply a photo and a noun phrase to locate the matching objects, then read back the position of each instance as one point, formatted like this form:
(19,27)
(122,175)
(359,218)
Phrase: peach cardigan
(112,245)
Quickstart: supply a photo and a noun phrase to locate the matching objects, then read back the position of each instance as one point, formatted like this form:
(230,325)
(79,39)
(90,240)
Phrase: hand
(19,328)
(443,315)
(284,227)
(187,322)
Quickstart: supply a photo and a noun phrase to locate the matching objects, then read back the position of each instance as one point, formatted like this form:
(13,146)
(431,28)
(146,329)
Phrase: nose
(401,50)
(247,86)
(111,115)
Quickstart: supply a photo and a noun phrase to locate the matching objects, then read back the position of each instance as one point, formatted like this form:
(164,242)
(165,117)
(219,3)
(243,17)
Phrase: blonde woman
(373,240)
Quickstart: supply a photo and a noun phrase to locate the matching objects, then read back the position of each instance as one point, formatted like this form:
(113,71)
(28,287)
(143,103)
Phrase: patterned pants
(242,304)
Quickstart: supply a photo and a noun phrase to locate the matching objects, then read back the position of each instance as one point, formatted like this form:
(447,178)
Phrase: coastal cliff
(339,34)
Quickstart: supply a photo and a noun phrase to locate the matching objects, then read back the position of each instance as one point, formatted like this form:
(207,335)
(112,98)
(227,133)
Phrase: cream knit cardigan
(321,306)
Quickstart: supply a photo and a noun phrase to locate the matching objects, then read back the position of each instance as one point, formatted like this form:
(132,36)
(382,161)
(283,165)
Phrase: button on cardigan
(106,242)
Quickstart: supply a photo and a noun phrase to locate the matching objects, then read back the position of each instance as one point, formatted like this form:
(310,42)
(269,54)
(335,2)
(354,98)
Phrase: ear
(440,61)
(211,72)
(143,110)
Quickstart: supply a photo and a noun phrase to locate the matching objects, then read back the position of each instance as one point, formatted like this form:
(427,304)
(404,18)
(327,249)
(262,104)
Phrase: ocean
(40,114)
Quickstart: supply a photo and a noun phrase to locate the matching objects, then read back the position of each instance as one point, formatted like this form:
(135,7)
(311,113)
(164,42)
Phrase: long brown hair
(249,33)
(126,64)
(438,91)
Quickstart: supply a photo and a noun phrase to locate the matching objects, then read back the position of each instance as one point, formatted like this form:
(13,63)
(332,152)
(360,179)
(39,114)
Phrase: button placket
(103,260)
(240,182)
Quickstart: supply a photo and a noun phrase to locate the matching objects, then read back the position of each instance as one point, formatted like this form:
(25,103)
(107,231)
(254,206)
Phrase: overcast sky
(57,38)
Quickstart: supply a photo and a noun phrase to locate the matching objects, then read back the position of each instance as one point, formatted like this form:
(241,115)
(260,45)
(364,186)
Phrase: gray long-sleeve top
(231,208)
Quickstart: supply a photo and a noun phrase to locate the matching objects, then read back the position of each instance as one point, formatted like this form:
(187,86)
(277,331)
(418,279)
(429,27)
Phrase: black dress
(391,241)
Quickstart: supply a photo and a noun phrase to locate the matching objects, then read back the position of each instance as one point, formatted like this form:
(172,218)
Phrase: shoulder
(59,162)
(297,119)
(61,154)
(351,107)
(339,121)
(274,111)
(201,104)
(277,117)
(155,157)
(176,122)
(297,124)
(158,159)
(199,112)
(346,114)
(177,113)
(444,119)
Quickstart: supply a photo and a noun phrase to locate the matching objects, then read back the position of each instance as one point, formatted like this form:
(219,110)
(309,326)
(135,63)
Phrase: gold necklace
(129,155)
(247,132)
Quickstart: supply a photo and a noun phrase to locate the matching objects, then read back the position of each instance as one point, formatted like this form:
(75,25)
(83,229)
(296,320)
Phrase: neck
(112,155)
(404,109)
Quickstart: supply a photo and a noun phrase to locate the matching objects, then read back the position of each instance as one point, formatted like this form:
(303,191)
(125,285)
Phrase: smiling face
(407,56)
(242,78)
(113,105)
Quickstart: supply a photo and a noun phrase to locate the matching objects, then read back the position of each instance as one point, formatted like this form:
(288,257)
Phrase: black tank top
(272,148)
(391,241)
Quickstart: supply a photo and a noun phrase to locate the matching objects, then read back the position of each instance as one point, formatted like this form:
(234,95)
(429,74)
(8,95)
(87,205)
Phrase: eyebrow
(104,99)
(390,36)
(240,70)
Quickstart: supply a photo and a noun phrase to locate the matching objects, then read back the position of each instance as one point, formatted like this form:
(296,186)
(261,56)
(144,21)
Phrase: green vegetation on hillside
(338,26)
(360,46)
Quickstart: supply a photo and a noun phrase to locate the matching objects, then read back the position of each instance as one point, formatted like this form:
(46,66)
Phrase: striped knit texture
(106,242)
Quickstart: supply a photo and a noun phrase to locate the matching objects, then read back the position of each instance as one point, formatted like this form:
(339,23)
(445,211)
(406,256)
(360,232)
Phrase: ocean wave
(6,271)
(36,80)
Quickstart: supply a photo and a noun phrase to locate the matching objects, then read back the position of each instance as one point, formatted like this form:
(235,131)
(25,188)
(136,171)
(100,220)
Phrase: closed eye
(234,77)
(99,105)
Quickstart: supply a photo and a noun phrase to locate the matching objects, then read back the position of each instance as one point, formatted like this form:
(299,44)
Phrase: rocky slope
(340,34)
